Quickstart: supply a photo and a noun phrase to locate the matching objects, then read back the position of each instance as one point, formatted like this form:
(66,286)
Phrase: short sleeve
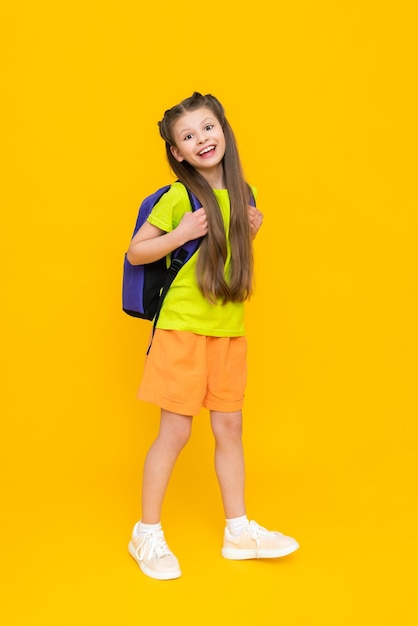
(171,207)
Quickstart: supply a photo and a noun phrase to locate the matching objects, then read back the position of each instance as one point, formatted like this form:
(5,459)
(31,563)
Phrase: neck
(215,178)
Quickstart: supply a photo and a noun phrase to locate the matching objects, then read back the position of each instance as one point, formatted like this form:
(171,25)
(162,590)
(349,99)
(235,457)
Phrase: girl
(198,354)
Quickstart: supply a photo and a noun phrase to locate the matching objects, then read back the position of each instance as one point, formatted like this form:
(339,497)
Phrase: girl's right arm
(151,243)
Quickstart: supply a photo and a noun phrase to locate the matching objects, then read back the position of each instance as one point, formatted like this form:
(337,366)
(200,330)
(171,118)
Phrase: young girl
(198,354)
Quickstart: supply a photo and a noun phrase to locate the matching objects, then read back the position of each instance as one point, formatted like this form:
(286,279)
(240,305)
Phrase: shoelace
(157,545)
(256,531)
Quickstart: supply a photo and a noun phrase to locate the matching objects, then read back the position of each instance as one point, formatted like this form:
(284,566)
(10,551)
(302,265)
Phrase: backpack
(145,286)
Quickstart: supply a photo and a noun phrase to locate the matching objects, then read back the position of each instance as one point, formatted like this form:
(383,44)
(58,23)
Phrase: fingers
(255,217)
(194,224)
(200,216)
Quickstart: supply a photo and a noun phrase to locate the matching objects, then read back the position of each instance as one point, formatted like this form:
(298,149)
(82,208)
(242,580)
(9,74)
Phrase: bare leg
(173,435)
(229,461)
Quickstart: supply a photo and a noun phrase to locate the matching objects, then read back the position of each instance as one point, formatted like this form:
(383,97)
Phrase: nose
(201,137)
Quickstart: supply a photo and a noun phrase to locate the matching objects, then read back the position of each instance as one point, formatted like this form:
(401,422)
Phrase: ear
(176,154)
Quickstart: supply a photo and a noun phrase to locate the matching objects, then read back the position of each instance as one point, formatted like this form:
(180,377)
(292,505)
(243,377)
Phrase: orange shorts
(184,372)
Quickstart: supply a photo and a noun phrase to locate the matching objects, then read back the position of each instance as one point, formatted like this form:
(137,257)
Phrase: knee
(181,436)
(227,426)
(177,435)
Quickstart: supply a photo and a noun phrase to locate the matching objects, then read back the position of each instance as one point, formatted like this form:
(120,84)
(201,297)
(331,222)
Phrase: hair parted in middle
(238,285)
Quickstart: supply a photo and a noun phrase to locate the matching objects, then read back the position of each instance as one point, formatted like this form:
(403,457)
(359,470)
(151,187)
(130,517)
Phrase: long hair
(213,284)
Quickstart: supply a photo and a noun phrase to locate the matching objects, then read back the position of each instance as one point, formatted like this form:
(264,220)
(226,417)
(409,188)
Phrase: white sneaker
(153,555)
(255,542)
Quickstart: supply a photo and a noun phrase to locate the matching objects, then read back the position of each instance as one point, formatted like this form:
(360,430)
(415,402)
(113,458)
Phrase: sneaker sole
(149,572)
(237,554)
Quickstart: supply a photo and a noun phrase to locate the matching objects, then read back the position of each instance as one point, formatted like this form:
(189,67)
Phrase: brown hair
(238,286)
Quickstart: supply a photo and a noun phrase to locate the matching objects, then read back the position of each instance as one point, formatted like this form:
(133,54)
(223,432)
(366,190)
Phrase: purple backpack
(145,286)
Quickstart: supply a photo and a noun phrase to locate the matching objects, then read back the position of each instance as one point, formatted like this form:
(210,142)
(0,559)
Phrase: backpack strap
(178,259)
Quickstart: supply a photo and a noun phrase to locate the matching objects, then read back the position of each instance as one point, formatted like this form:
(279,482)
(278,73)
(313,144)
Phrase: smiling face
(199,140)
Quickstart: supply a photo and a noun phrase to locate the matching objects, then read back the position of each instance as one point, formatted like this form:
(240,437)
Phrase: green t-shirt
(184,306)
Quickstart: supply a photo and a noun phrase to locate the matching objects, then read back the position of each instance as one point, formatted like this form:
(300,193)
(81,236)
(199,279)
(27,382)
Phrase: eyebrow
(205,121)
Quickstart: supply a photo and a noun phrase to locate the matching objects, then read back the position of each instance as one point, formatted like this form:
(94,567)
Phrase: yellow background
(322,98)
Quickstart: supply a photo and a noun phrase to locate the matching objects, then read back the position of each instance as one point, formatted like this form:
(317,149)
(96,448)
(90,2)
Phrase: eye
(187,137)
(209,126)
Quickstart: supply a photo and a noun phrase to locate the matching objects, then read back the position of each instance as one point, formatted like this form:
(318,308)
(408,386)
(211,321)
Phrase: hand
(256,219)
(193,225)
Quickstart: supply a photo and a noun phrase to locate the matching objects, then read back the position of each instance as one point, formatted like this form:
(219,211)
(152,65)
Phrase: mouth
(207,151)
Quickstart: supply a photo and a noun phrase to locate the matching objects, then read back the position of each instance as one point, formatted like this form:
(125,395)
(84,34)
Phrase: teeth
(207,150)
